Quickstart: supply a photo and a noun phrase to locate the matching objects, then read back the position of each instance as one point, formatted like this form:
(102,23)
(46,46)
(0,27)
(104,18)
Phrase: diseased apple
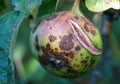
(66,44)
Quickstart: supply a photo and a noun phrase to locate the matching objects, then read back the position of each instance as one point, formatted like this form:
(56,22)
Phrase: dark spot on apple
(66,42)
(37,44)
(44,50)
(69,54)
(56,49)
(86,66)
(60,37)
(77,48)
(36,39)
(87,57)
(86,28)
(70,70)
(92,62)
(51,17)
(76,59)
(44,60)
(37,47)
(84,61)
(78,65)
(52,38)
(50,27)
(48,46)
(76,17)
(74,65)
(93,32)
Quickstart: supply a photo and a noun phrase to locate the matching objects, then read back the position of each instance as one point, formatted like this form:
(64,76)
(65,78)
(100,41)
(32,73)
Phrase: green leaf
(9,25)
(26,6)
(2,5)
(102,5)
(64,5)
(47,7)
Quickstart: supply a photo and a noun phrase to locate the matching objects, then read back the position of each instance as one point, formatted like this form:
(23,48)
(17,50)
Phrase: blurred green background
(29,71)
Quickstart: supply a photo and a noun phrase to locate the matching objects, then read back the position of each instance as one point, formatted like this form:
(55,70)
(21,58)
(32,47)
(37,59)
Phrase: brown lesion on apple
(36,39)
(93,32)
(52,38)
(37,47)
(86,27)
(36,43)
(92,63)
(56,59)
(83,62)
(76,17)
(81,54)
(77,48)
(87,57)
(89,29)
(69,54)
(66,42)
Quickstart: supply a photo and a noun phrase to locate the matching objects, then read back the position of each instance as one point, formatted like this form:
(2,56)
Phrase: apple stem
(75,5)
(76,9)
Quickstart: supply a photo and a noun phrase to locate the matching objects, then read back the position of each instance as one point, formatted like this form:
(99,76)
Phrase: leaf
(102,5)
(26,6)
(47,7)
(64,5)
(2,5)
(9,26)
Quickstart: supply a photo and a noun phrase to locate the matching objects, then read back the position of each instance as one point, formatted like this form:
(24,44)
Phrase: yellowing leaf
(102,5)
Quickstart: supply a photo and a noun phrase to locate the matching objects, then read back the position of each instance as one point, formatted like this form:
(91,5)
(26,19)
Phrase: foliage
(8,31)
